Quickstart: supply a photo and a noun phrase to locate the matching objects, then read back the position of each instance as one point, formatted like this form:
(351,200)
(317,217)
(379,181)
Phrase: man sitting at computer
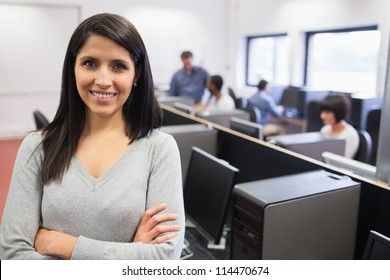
(267,106)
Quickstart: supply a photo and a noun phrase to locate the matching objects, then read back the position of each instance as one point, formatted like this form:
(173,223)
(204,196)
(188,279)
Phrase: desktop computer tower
(309,215)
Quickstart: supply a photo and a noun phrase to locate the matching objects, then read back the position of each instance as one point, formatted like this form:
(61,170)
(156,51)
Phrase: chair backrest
(254,113)
(372,127)
(314,122)
(40,120)
(232,94)
(241,103)
(365,147)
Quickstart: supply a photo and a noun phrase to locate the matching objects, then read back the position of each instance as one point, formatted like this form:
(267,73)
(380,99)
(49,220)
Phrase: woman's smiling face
(104,74)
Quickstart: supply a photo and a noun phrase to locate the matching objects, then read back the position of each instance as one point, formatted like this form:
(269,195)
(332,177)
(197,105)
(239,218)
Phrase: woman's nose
(103,78)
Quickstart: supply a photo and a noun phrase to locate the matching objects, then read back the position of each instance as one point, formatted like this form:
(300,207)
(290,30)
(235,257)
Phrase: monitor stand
(222,241)
(190,224)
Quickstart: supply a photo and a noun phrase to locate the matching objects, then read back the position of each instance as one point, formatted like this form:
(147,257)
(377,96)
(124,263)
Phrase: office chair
(314,122)
(231,93)
(40,120)
(237,101)
(365,147)
(372,127)
(254,113)
(241,103)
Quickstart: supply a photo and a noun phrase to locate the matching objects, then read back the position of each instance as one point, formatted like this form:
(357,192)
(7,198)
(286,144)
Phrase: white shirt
(349,134)
(223,104)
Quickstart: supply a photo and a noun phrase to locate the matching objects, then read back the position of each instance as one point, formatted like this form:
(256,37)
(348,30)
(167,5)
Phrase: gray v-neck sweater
(103,213)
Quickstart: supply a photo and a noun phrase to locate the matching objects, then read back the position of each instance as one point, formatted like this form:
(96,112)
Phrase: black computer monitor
(247,127)
(377,247)
(207,192)
(293,101)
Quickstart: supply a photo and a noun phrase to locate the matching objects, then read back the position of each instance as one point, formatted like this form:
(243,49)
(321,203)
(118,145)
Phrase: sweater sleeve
(164,186)
(274,108)
(22,213)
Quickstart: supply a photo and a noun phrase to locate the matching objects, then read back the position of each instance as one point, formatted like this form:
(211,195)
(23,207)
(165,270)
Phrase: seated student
(218,101)
(190,80)
(267,106)
(334,109)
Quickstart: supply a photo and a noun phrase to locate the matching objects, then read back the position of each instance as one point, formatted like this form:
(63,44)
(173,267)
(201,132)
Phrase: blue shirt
(266,105)
(189,84)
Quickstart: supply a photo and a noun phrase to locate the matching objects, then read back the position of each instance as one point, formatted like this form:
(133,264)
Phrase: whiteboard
(33,42)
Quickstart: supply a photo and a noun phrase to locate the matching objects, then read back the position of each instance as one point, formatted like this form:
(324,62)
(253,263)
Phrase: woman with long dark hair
(100,181)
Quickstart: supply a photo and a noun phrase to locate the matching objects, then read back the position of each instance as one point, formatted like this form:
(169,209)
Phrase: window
(343,60)
(267,58)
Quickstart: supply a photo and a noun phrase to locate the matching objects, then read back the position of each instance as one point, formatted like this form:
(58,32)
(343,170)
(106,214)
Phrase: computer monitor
(293,101)
(207,193)
(377,247)
(171,100)
(247,127)
(187,136)
(354,166)
(311,144)
(223,117)
(184,108)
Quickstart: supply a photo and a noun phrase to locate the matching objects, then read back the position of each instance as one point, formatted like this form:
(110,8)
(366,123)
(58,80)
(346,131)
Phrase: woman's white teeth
(102,95)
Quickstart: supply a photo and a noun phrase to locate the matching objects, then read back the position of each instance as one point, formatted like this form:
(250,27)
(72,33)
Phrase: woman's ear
(137,75)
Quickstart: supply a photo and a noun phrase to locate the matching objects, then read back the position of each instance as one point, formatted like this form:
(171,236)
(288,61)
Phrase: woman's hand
(150,228)
(54,243)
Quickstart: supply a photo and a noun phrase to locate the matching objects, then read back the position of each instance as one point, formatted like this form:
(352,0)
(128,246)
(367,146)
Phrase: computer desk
(290,124)
(259,160)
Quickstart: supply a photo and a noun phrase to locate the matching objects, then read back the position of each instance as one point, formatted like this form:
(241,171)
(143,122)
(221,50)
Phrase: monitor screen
(293,100)
(247,127)
(362,169)
(207,192)
(290,97)
(377,247)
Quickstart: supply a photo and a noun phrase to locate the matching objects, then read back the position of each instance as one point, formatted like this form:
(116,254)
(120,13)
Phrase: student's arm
(22,213)
(59,244)
(275,110)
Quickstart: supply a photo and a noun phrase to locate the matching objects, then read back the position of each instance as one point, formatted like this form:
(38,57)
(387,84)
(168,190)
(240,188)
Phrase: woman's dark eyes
(119,66)
(116,66)
(90,63)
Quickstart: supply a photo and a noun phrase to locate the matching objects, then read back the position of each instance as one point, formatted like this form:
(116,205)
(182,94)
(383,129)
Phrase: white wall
(256,17)
(168,27)
(33,44)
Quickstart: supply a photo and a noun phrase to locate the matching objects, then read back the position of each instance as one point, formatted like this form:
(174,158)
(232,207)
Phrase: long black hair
(141,111)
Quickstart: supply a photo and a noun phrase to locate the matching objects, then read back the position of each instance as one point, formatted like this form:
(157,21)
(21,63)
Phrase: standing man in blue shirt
(190,80)
(267,106)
